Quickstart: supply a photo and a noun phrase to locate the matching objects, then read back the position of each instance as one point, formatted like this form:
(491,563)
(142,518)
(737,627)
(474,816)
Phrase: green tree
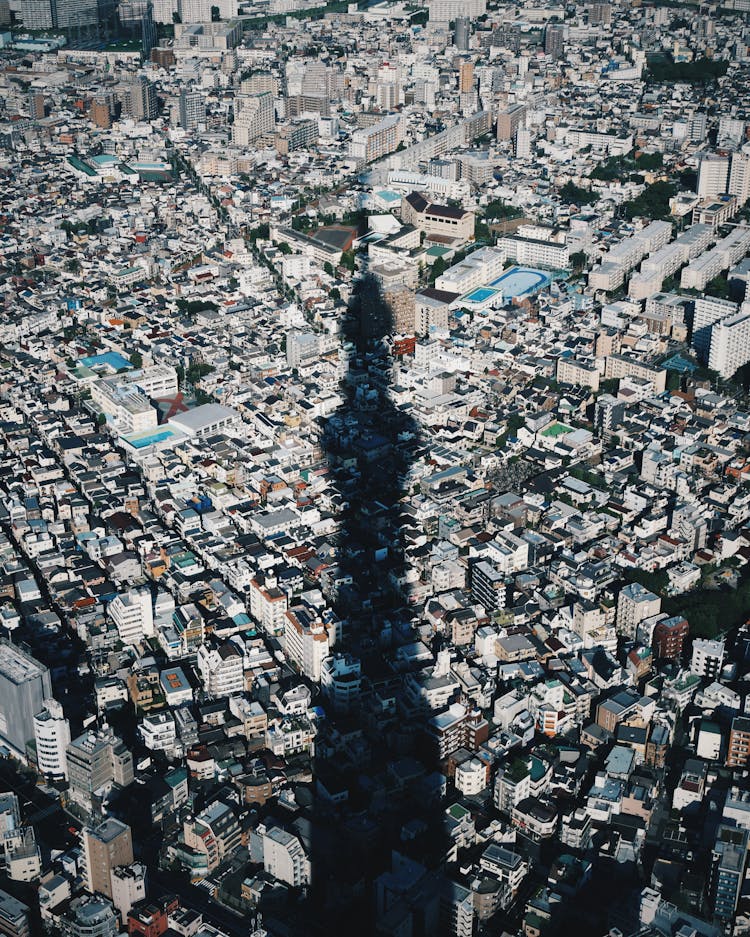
(136,359)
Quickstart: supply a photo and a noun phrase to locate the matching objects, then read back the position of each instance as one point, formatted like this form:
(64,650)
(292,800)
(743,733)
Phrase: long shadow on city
(376,838)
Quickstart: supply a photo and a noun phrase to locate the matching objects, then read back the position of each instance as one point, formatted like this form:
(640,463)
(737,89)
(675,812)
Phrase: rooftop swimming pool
(481,294)
(111,358)
(141,442)
(520,281)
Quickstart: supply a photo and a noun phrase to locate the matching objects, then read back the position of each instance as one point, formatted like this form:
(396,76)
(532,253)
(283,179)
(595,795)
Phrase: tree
(215,15)
(578,261)
(136,359)
(284,247)
(328,268)
(101,419)
(348,261)
(571,192)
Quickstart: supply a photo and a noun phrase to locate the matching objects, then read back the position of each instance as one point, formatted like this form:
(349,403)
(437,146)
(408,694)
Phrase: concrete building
(707,658)
(284,858)
(24,686)
(510,121)
(14,917)
(730,343)
(105,847)
(254,117)
(713,173)
(132,614)
(52,736)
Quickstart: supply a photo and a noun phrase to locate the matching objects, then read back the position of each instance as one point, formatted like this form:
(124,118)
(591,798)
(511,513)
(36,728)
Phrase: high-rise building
(192,109)
(522,143)
(712,175)
(105,847)
(141,100)
(284,858)
(97,761)
(381,138)
(465,76)
(728,864)
(100,114)
(669,637)
(36,106)
(707,658)
(132,613)
(75,14)
(739,176)
(738,750)
(148,31)
(554,40)
(448,11)
(600,13)
(510,121)
(52,734)
(253,118)
(730,343)
(462,33)
(24,686)
(635,604)
(35,14)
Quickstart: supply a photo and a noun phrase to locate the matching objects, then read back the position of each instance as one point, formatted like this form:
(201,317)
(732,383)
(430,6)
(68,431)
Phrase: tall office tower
(36,105)
(76,14)
(104,848)
(24,686)
(739,176)
(142,103)
(52,734)
(510,120)
(148,31)
(600,13)
(523,143)
(192,109)
(35,14)
(554,36)
(388,95)
(254,117)
(712,175)
(461,33)
(465,77)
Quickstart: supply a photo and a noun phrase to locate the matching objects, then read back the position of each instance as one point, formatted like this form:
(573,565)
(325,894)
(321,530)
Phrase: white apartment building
(307,640)
(707,658)
(222,669)
(52,735)
(284,858)
(254,117)
(133,615)
(707,311)
(739,176)
(129,407)
(713,173)
(158,732)
(535,253)
(383,137)
(479,268)
(634,604)
(730,343)
(445,11)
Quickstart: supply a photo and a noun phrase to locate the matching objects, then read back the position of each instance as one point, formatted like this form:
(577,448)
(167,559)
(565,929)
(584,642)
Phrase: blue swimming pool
(113,359)
(140,442)
(480,295)
(519,281)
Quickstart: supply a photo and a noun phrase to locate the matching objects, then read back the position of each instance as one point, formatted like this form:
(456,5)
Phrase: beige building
(104,848)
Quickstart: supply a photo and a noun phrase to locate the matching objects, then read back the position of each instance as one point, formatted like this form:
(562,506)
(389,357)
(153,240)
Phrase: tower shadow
(375,835)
